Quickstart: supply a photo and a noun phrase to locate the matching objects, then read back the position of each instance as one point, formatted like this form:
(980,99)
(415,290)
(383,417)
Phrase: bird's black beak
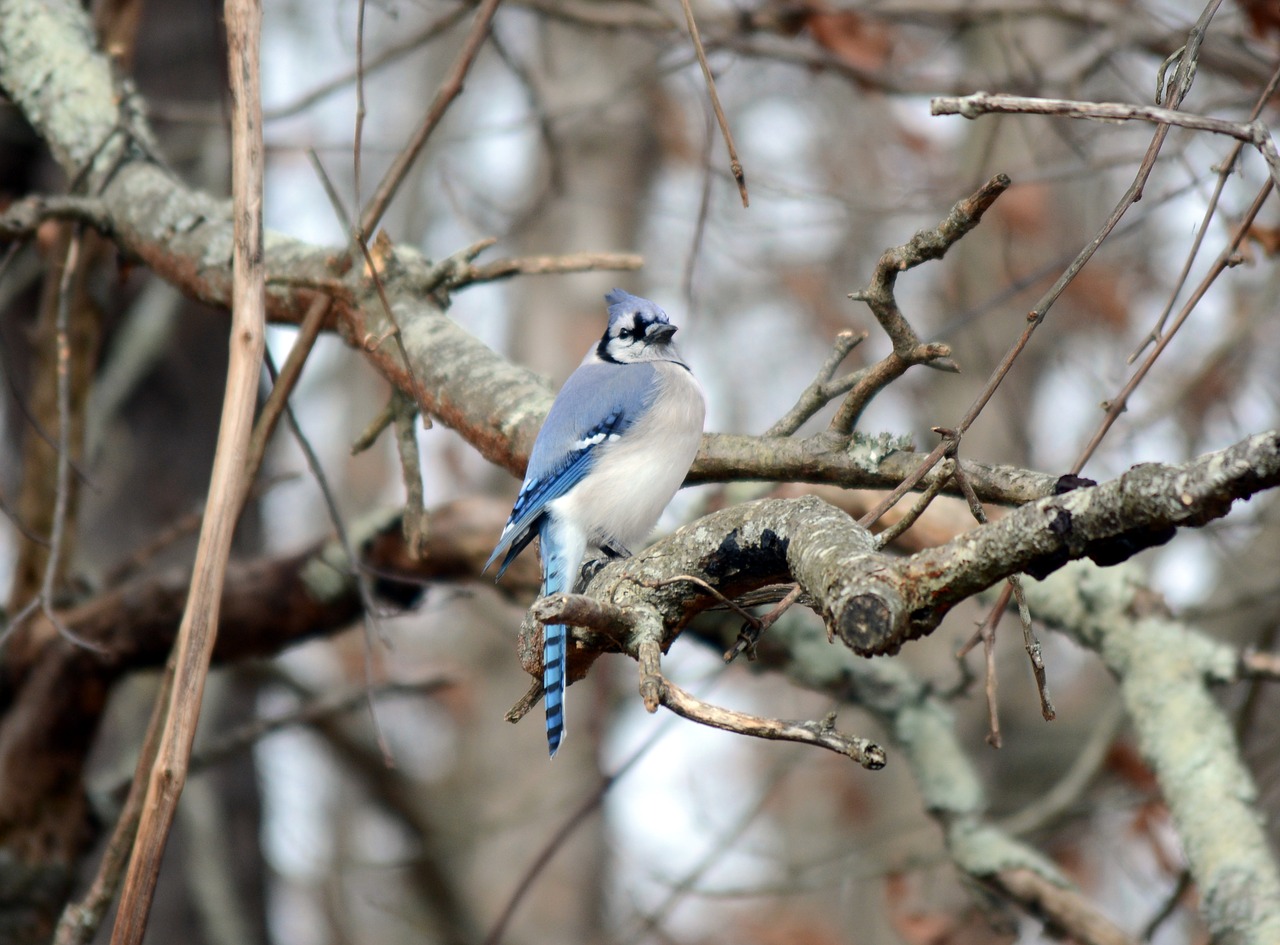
(659,333)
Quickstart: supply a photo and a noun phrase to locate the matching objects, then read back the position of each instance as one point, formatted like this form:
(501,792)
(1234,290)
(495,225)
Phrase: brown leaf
(1125,763)
(1264,15)
(1102,294)
(774,929)
(1267,237)
(861,43)
(1025,210)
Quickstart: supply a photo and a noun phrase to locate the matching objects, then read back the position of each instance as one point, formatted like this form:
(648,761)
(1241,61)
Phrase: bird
(617,443)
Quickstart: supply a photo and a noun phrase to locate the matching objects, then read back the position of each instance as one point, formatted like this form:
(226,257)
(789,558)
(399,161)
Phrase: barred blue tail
(563,547)
(553,653)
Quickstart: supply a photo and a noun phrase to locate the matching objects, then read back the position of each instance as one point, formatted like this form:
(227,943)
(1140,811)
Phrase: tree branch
(198,631)
(875,602)
(973,106)
(1164,668)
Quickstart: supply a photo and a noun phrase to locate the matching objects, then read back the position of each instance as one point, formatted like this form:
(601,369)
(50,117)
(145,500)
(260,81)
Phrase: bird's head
(638,330)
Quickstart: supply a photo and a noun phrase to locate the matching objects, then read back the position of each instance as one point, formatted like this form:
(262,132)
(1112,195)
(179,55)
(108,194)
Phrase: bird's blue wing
(597,404)
(537,491)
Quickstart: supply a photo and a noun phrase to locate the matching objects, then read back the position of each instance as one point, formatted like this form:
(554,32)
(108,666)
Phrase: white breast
(635,477)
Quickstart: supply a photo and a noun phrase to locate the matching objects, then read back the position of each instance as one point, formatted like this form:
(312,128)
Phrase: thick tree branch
(1165,669)
(875,602)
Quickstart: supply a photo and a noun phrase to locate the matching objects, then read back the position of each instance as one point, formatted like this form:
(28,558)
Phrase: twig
(987,103)
(879,296)
(548,265)
(751,631)
(186,524)
(1035,652)
(371,625)
(219,749)
(906,485)
(384,58)
(199,623)
(268,419)
(1257,665)
(735,166)
(700,221)
(1037,315)
(822,733)
(1117,405)
(360,243)
(62,488)
(414,521)
(939,482)
(1225,169)
(1171,901)
(358,136)
(524,705)
(1066,907)
(558,839)
(80,920)
(653,919)
(369,435)
(9,512)
(699,582)
(282,386)
(579,610)
(991,687)
(1014,584)
(450,89)
(822,390)
(1068,790)
(1252,132)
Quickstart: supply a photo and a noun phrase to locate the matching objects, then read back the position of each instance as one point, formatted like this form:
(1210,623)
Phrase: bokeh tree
(907,299)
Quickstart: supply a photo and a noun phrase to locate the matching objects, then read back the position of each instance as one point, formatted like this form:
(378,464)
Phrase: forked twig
(1013,585)
(822,390)
(931,491)
(879,296)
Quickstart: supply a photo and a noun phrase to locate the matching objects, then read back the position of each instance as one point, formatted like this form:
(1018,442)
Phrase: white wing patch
(595,440)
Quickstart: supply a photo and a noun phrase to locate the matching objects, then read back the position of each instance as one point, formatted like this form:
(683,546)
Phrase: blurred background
(585,126)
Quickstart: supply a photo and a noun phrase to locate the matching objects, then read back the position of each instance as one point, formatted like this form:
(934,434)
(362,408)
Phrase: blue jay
(614,448)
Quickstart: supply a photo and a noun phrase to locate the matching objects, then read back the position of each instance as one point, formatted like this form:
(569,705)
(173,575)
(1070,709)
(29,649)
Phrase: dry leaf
(1101,293)
(1267,237)
(1264,16)
(861,43)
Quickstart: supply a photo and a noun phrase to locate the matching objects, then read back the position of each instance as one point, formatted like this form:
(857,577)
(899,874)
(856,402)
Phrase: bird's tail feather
(562,553)
(553,655)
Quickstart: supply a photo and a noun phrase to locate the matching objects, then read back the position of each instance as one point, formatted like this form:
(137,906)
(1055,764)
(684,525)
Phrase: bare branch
(822,733)
(1165,668)
(822,390)
(198,631)
(450,89)
(874,602)
(735,165)
(973,106)
(879,295)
